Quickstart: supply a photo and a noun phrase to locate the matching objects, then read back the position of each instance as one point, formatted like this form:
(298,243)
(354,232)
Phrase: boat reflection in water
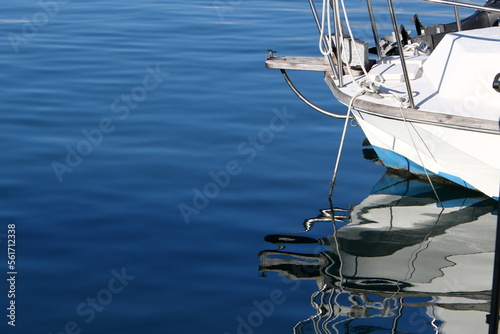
(399,262)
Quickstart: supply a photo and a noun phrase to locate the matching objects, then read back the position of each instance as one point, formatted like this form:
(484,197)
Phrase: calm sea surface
(152,167)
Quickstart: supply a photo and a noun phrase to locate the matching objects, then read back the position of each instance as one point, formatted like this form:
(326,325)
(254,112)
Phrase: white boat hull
(465,157)
(440,115)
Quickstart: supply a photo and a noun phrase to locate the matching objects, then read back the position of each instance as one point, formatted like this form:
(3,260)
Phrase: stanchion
(495,288)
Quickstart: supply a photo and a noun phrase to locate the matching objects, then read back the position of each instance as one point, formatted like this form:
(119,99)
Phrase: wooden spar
(298,63)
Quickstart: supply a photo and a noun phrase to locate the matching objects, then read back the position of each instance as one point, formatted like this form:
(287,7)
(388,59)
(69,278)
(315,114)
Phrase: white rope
(400,99)
(325,12)
(352,39)
(326,16)
(370,82)
(342,46)
(416,49)
(364,83)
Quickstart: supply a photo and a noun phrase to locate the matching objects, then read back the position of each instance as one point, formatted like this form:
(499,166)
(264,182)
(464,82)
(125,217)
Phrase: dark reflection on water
(398,262)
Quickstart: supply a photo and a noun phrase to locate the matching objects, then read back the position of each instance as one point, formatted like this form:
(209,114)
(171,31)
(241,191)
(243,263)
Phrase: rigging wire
(301,323)
(420,157)
(330,315)
(396,319)
(306,101)
(332,185)
(341,146)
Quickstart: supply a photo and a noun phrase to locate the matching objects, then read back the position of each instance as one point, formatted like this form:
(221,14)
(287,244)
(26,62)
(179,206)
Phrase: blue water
(146,155)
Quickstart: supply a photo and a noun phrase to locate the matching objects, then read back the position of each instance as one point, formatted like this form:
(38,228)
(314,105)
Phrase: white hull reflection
(398,262)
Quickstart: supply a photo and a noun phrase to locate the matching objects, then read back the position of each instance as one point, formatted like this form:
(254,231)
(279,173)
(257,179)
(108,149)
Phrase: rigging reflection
(398,262)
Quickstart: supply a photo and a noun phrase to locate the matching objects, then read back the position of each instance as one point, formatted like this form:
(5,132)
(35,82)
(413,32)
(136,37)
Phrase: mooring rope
(341,145)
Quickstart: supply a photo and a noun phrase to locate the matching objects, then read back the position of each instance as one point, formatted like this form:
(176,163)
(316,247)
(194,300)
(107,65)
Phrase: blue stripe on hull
(394,160)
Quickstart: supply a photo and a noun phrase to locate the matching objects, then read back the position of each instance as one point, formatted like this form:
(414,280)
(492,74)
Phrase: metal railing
(465,5)
(336,64)
(395,27)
